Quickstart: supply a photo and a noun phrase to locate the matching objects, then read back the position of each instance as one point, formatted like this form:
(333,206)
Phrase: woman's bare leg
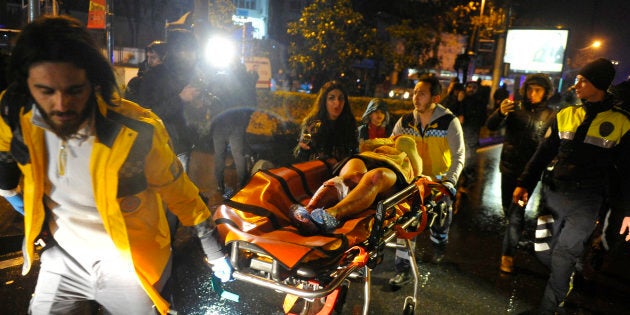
(372,183)
(364,187)
(335,189)
(352,171)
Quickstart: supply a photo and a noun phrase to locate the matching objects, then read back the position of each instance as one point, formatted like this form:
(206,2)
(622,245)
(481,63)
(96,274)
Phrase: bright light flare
(220,52)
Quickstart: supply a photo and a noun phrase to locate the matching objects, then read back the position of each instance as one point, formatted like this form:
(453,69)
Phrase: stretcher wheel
(341,299)
(410,307)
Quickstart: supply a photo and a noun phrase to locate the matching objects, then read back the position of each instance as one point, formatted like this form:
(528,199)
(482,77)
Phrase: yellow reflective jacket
(583,145)
(133,170)
(440,145)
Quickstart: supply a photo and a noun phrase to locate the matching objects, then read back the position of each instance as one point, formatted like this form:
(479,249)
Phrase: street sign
(486,45)
(242,12)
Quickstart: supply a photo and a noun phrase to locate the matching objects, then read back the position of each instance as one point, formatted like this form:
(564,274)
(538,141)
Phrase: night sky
(587,20)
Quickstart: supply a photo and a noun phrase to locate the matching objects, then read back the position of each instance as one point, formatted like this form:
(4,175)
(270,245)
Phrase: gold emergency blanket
(257,214)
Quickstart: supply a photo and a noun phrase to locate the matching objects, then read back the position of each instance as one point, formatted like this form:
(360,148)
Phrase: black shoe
(438,253)
(400,279)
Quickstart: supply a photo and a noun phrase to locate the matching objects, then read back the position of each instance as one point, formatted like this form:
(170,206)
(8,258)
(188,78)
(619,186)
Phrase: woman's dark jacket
(334,138)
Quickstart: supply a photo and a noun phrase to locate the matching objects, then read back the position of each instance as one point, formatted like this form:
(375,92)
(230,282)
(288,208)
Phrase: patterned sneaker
(326,222)
(301,218)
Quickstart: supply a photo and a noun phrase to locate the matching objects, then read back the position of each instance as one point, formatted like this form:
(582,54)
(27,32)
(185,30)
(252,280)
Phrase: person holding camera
(170,86)
(525,122)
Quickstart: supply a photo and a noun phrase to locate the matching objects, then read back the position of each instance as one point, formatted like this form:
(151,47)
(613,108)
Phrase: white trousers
(64,286)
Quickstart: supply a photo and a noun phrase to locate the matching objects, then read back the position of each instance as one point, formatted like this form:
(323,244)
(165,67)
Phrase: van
(7,39)
(262,66)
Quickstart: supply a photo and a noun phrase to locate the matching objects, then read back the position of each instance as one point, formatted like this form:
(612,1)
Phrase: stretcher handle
(404,234)
(303,293)
(360,258)
(376,244)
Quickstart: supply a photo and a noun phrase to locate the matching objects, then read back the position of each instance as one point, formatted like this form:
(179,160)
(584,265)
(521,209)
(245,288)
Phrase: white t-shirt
(75,223)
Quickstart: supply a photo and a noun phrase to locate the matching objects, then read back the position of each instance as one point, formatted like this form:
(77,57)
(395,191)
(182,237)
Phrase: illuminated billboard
(535,50)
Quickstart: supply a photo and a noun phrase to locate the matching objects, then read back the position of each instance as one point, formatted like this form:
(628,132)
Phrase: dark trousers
(235,137)
(574,214)
(438,235)
(513,230)
(514,213)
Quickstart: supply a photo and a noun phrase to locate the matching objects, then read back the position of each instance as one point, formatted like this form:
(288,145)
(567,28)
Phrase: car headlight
(391,93)
(406,95)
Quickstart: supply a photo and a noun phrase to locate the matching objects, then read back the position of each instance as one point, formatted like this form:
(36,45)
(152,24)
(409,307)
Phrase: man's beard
(69,129)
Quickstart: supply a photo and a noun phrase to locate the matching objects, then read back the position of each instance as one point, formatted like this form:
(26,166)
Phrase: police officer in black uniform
(584,144)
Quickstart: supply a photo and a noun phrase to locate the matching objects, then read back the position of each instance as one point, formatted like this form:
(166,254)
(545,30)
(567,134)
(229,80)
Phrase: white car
(400,93)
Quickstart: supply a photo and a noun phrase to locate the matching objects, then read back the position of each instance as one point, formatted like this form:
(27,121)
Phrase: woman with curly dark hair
(330,130)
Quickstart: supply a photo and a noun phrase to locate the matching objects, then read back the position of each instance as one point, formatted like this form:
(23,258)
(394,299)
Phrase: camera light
(220,52)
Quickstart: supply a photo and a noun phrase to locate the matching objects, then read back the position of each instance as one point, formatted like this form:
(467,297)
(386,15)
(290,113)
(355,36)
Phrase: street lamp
(581,57)
(596,44)
(586,54)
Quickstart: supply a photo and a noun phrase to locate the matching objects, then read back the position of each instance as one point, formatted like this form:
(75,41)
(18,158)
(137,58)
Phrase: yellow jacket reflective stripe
(605,131)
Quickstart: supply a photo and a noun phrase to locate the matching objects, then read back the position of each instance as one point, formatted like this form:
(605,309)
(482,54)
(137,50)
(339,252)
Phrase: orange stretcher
(267,250)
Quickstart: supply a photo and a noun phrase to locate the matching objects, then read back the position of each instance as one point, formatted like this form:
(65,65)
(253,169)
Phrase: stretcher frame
(425,201)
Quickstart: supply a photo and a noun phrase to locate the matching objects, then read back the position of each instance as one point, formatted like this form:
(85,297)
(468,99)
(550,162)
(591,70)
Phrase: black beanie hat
(600,73)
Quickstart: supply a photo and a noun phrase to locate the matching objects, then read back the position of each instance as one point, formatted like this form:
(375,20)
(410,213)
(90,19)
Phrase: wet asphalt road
(466,282)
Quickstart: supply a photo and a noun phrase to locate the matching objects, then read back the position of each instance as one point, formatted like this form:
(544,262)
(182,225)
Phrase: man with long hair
(96,171)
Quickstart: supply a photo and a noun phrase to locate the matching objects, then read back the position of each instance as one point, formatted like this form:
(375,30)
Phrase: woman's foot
(316,222)
(324,220)
(301,218)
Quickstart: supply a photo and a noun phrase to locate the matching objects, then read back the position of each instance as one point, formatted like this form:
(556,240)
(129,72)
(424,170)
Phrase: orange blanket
(257,214)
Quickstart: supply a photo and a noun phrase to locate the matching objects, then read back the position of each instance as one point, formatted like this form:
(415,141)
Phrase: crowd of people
(578,154)
(100,175)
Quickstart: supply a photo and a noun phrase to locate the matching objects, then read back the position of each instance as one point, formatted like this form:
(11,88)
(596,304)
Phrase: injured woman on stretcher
(383,166)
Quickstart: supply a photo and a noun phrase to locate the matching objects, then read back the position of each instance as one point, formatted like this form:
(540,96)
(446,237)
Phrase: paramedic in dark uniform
(583,145)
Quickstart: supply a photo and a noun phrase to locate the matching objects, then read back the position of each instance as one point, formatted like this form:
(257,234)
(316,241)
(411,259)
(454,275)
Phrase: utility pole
(473,44)
(497,71)
(109,33)
(33,10)
(201,25)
